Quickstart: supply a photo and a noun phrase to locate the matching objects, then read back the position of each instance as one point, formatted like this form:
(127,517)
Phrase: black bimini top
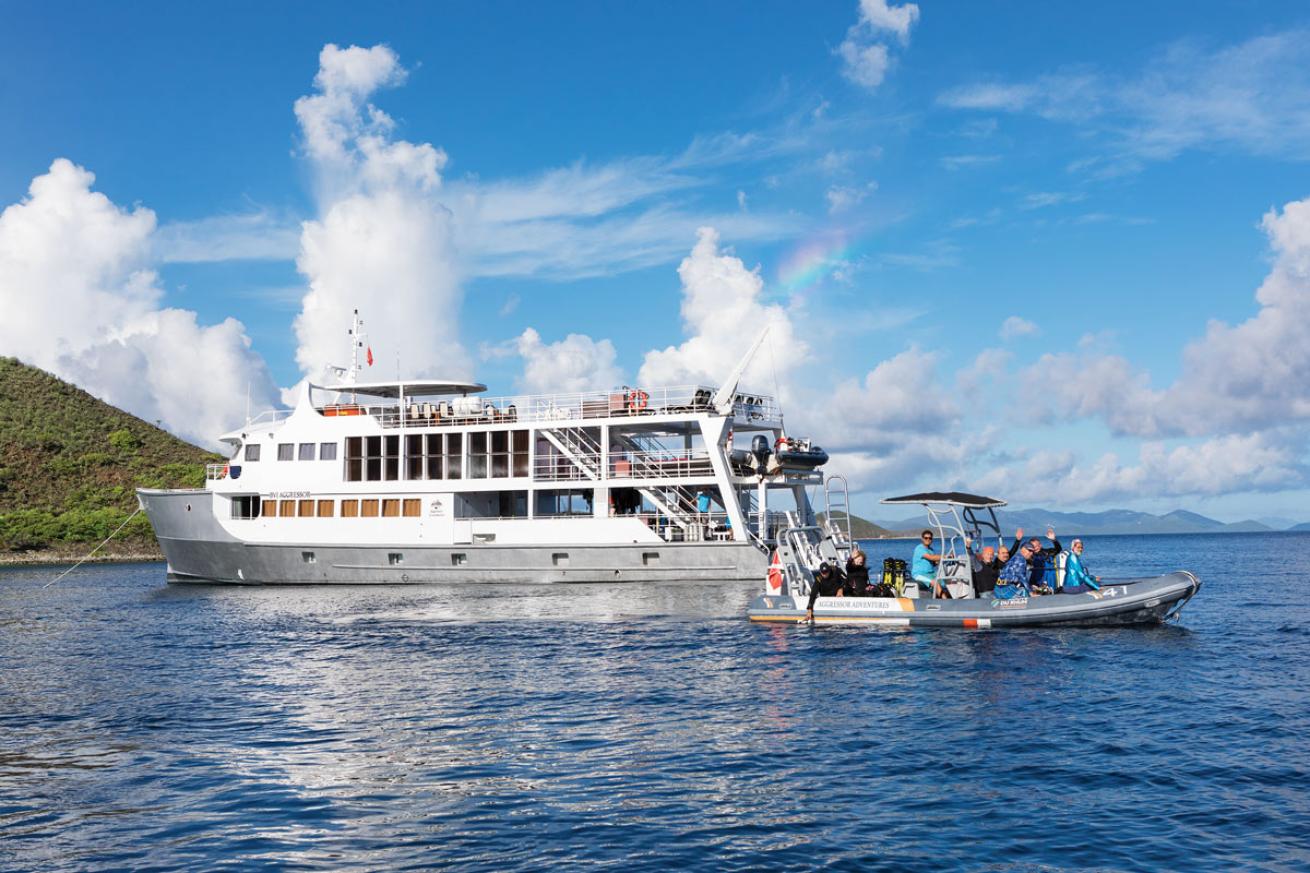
(953,498)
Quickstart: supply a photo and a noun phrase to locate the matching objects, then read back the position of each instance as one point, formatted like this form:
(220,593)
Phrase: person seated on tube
(1077,580)
(1014,576)
(986,569)
(1041,559)
(857,574)
(827,583)
(923,567)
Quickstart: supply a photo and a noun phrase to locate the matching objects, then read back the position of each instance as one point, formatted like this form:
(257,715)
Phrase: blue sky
(1097,175)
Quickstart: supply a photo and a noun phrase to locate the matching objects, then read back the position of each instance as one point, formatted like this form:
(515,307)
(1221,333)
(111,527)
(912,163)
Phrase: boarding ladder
(838,507)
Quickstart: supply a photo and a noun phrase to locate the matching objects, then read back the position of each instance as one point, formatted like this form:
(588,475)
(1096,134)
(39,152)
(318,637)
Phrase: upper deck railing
(626,404)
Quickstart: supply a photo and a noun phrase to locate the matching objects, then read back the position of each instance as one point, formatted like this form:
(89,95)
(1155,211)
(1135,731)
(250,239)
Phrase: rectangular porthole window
(325,508)
(368,508)
(412,507)
(395,558)
(252,452)
(306,509)
(269,508)
(307,451)
(459,559)
(327,451)
(391,509)
(286,451)
(286,508)
(650,558)
(560,559)
(308,558)
(350,509)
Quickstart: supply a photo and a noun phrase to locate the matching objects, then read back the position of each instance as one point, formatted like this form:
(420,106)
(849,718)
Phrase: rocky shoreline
(114,553)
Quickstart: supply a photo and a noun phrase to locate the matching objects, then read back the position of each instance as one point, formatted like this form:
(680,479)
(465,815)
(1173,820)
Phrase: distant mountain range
(1111,521)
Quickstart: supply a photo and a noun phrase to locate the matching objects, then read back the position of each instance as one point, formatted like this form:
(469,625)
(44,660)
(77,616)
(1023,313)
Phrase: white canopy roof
(417,388)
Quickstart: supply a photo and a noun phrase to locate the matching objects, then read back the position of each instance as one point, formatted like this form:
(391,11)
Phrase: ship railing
(216,471)
(660,465)
(703,526)
(626,403)
(270,416)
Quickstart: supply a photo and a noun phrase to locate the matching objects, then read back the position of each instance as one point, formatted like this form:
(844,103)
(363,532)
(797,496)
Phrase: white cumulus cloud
(83,302)
(865,60)
(575,363)
(722,311)
(382,242)
(1016,326)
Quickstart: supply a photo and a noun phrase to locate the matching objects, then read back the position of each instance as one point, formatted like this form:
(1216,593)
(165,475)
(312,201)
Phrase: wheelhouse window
(307,451)
(252,452)
(327,451)
(391,457)
(454,455)
(520,446)
(286,451)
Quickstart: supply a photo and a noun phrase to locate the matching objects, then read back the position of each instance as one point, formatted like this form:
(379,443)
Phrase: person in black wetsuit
(986,569)
(857,574)
(827,583)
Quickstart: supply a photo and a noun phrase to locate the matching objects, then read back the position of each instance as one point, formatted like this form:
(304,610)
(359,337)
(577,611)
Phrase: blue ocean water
(635,727)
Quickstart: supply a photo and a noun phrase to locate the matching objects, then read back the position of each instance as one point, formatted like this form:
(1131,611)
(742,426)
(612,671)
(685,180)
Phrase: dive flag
(370,356)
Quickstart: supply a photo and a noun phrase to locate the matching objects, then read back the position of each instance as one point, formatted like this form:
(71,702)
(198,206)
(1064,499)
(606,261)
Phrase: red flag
(370,356)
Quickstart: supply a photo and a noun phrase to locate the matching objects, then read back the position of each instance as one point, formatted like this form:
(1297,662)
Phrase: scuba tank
(898,577)
(889,572)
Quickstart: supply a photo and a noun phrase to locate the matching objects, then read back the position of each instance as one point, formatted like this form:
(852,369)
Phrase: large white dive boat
(430,481)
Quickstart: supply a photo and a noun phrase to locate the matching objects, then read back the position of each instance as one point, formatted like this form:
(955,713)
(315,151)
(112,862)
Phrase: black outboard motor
(760,449)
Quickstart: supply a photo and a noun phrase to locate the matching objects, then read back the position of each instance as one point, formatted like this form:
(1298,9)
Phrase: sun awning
(420,388)
(951,498)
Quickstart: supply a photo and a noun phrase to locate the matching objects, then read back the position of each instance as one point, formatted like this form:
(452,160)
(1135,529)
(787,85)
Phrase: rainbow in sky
(812,261)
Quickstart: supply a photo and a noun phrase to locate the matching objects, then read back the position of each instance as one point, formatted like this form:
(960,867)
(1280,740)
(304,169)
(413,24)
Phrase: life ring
(637,400)
(780,445)
(775,574)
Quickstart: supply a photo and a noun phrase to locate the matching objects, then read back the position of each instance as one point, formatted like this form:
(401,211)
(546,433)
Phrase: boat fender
(775,574)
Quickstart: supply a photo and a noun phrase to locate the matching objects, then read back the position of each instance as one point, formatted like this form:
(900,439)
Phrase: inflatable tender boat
(802,549)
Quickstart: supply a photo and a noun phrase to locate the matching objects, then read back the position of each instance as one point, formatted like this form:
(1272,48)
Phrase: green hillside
(69,464)
(863,529)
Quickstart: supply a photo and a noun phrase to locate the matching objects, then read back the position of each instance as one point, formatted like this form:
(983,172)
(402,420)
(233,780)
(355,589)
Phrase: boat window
(269,508)
(560,559)
(286,451)
(521,461)
(412,507)
(391,444)
(368,508)
(245,507)
(307,451)
(354,459)
(327,451)
(286,508)
(454,455)
(414,456)
(326,507)
(478,455)
(308,558)
(391,509)
(395,558)
(650,558)
(435,450)
(252,452)
(569,501)
(350,509)
(306,509)
(458,559)
(500,454)
(373,459)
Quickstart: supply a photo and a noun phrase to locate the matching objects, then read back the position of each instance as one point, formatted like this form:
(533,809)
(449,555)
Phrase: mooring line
(93,551)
